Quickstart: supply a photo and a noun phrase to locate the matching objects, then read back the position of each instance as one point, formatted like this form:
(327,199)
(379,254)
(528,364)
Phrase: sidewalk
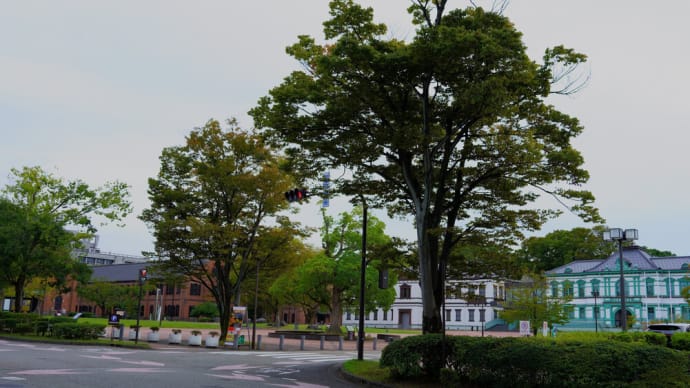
(273,343)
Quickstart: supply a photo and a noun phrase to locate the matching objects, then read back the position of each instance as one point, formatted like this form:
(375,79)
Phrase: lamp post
(595,294)
(362,282)
(142,279)
(256,303)
(619,235)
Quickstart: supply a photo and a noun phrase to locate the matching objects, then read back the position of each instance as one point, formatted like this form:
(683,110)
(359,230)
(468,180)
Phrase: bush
(536,362)
(73,330)
(680,341)
(206,309)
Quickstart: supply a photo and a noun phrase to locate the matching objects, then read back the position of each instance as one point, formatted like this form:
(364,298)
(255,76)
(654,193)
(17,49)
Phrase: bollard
(340,343)
(323,339)
(236,342)
(301,342)
(258,342)
(280,342)
(374,343)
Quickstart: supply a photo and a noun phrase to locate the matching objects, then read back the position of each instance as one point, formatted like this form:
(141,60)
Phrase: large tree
(563,246)
(37,207)
(449,126)
(211,208)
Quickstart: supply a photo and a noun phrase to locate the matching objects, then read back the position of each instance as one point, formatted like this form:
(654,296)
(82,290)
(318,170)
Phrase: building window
(581,313)
(447,315)
(169,289)
(482,290)
(385,315)
(195,289)
(650,286)
(554,289)
(471,315)
(348,316)
(458,315)
(376,315)
(482,315)
(571,312)
(595,286)
(651,314)
(581,289)
(405,292)
(568,288)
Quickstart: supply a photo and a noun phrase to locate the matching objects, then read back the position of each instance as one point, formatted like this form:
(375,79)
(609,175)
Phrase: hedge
(71,330)
(534,362)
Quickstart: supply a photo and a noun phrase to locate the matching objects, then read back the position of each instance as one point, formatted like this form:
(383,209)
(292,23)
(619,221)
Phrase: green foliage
(680,341)
(206,309)
(529,301)
(563,246)
(535,362)
(35,208)
(449,126)
(210,206)
(73,330)
(108,295)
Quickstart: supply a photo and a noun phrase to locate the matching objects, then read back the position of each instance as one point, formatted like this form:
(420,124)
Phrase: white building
(470,305)
(91,255)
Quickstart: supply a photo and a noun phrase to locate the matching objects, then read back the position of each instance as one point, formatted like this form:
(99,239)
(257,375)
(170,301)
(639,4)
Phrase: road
(45,365)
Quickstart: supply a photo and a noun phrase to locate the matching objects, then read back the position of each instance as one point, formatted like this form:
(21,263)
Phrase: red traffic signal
(296,195)
(142,273)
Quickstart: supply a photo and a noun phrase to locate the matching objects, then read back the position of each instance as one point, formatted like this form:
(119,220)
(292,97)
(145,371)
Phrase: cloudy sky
(95,90)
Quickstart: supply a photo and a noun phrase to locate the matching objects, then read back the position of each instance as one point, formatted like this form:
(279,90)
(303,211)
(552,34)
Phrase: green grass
(367,369)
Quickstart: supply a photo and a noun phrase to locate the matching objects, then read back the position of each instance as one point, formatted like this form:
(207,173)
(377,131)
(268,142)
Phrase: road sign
(524,328)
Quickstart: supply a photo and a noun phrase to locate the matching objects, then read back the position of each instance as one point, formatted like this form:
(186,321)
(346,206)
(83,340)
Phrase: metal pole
(256,298)
(141,283)
(596,312)
(362,283)
(624,313)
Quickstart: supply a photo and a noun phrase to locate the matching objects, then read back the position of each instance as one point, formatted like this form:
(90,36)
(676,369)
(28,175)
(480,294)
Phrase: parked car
(669,328)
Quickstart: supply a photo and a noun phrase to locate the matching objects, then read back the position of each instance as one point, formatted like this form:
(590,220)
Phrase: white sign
(524,328)
(545,329)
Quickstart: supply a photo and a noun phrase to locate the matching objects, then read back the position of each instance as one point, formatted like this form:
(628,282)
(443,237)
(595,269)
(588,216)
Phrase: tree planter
(212,340)
(153,336)
(175,337)
(194,339)
(133,333)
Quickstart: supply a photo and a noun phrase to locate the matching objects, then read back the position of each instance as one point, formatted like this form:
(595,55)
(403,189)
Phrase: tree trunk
(431,281)
(336,312)
(18,296)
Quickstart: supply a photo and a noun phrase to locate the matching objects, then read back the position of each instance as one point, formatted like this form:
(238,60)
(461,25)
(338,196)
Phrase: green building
(653,288)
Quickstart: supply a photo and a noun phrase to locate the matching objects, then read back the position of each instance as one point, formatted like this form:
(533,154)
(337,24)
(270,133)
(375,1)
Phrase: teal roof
(634,258)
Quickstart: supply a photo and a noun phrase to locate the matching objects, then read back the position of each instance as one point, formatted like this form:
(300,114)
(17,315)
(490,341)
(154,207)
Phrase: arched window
(595,286)
(568,288)
(580,288)
(554,289)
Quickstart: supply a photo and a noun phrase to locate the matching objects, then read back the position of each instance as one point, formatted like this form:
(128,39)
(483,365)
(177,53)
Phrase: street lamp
(362,282)
(595,294)
(142,279)
(619,235)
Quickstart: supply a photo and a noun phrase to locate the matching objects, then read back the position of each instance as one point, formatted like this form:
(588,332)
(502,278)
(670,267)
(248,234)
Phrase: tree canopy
(563,246)
(36,207)
(529,301)
(211,208)
(449,127)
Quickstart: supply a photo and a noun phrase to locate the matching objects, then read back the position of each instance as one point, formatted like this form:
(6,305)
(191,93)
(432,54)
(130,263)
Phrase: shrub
(73,330)
(206,309)
(535,362)
(680,341)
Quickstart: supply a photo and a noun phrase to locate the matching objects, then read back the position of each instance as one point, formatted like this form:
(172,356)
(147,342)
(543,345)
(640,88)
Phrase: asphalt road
(45,365)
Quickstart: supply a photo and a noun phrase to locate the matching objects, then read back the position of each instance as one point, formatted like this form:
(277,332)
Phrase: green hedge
(72,330)
(534,362)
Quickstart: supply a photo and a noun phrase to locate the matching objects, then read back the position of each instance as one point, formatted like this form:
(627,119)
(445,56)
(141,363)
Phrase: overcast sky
(95,90)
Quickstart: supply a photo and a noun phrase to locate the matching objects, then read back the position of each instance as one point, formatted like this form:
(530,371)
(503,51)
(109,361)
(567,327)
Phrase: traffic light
(296,195)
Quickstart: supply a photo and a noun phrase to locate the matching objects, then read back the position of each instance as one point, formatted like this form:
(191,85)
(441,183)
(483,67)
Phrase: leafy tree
(37,207)
(657,252)
(332,278)
(206,309)
(449,126)
(108,295)
(529,302)
(563,246)
(209,208)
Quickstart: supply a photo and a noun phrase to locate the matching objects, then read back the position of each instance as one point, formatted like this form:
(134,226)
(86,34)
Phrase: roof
(634,259)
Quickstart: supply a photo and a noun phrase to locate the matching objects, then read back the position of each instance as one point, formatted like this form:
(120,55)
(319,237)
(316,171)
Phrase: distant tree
(108,295)
(450,126)
(332,278)
(528,301)
(657,253)
(211,206)
(560,247)
(206,309)
(36,209)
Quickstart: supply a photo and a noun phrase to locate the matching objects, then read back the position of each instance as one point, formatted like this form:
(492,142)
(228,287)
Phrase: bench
(388,337)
